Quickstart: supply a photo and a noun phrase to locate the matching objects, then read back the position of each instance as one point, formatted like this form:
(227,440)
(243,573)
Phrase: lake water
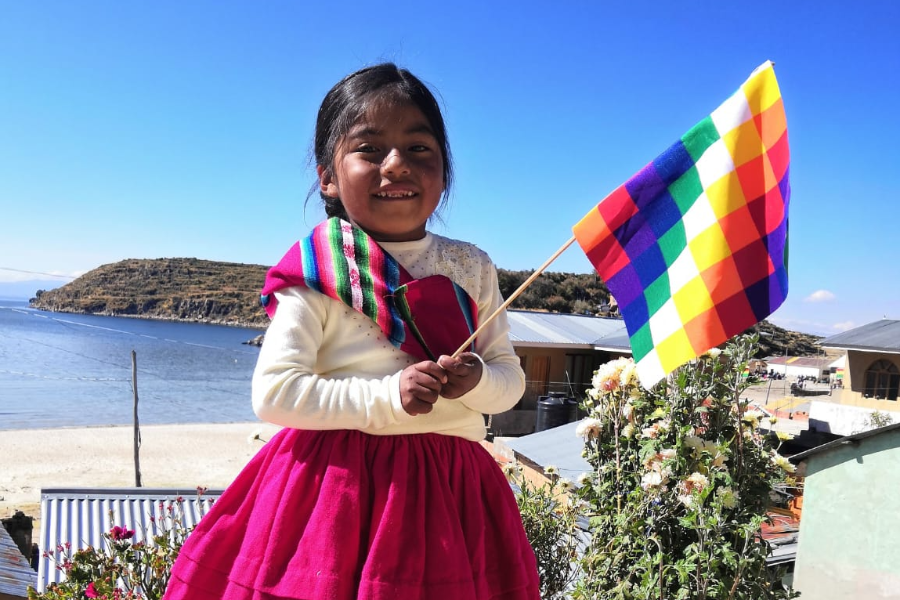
(59,369)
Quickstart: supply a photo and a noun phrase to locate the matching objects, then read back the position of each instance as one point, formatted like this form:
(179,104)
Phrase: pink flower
(121,533)
(90,592)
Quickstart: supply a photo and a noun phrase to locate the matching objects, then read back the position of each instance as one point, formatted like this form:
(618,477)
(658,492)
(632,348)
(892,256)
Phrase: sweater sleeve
(502,381)
(287,388)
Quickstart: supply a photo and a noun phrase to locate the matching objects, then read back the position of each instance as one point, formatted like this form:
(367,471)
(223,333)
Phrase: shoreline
(180,455)
(261,326)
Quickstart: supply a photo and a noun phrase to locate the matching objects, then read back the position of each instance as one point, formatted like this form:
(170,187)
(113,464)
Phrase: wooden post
(137,427)
(513,296)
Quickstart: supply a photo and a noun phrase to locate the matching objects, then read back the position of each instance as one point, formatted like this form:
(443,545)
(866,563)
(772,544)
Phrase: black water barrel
(555,409)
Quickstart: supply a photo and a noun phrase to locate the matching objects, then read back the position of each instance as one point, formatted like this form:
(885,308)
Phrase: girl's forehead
(382,117)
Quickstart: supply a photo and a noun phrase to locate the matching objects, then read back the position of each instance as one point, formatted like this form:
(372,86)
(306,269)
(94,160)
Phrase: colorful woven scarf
(423,317)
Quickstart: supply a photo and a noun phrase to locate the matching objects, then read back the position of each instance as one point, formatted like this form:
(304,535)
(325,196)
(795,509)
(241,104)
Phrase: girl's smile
(388,173)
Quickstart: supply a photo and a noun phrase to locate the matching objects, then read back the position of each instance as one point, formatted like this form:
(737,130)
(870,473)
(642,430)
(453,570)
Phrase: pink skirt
(345,515)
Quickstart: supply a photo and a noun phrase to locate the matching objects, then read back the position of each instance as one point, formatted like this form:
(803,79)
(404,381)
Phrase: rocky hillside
(190,289)
(185,289)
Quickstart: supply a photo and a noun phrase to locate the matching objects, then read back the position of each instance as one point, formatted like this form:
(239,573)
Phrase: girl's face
(388,173)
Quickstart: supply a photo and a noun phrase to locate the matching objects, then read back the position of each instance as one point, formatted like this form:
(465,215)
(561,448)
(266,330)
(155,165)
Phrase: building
(800,366)
(868,380)
(16,575)
(850,531)
(559,353)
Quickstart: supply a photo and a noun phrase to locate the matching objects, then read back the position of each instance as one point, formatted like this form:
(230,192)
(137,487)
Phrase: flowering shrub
(122,568)
(680,484)
(549,516)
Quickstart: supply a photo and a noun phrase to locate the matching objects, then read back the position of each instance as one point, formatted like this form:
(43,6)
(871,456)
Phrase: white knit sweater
(325,366)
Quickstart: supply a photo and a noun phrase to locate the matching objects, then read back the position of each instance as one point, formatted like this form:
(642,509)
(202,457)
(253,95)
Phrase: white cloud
(820,296)
(844,326)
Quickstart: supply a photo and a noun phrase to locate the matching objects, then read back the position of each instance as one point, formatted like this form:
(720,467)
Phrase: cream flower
(589,428)
(783,435)
(783,463)
(629,376)
(651,479)
(667,453)
(550,470)
(628,431)
(584,479)
(696,482)
(719,460)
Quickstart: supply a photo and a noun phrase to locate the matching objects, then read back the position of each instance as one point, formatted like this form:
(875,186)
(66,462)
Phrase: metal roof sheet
(16,573)
(880,336)
(528,327)
(558,446)
(80,517)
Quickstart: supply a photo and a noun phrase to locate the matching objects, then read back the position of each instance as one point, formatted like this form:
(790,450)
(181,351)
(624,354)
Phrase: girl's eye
(366,148)
(419,148)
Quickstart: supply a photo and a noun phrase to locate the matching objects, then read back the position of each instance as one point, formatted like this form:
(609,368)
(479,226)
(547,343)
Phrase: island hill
(195,290)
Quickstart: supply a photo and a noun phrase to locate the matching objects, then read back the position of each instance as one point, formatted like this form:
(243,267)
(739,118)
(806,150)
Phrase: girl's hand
(463,374)
(420,385)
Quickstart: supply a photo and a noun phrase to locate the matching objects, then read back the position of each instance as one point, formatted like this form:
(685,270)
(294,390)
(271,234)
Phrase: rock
(257,341)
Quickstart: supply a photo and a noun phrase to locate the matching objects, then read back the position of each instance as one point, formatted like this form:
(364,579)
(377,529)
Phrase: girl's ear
(327,184)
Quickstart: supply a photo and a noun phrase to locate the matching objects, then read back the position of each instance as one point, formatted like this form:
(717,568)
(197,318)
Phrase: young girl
(376,488)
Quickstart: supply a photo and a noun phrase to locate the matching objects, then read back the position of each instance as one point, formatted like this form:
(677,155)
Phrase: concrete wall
(849,546)
(846,419)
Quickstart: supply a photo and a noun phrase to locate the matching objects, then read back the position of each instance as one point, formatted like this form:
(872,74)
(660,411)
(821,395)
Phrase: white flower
(550,470)
(565,485)
(667,453)
(512,469)
(651,479)
(584,479)
(714,353)
(650,432)
(664,425)
(589,428)
(686,499)
(694,442)
(628,410)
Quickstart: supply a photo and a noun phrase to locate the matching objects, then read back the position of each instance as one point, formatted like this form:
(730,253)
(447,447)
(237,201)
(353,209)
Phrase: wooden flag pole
(513,296)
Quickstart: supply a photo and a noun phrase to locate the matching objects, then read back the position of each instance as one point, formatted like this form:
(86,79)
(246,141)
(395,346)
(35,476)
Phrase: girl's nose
(395,163)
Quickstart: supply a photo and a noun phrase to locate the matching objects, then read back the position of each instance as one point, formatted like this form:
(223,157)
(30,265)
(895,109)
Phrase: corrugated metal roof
(585,331)
(15,571)
(880,336)
(558,446)
(80,517)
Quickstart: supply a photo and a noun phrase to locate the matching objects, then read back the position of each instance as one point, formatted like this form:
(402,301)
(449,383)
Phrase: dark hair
(349,100)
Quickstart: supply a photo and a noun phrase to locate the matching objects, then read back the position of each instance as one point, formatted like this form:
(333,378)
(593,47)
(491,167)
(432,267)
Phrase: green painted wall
(849,545)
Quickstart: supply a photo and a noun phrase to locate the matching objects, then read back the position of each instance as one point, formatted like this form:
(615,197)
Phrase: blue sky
(182,129)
